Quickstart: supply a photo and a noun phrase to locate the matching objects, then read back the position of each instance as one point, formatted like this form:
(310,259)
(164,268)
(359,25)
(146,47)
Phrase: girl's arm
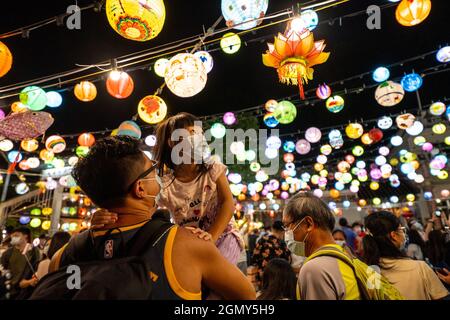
(226,208)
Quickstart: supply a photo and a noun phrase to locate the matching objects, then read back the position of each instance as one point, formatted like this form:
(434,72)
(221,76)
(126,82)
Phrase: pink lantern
(229,118)
(318,193)
(376,174)
(313,135)
(273,185)
(437,164)
(362,173)
(284,195)
(343,166)
(350,159)
(302,147)
(288,157)
(323,92)
(2,114)
(445,193)
(427,147)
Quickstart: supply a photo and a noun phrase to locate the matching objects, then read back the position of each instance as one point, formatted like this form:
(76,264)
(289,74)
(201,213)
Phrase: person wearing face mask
(384,246)
(309,222)
(21,260)
(118,176)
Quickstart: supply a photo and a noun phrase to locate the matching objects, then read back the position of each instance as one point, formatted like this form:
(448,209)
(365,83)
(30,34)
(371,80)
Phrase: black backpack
(123,278)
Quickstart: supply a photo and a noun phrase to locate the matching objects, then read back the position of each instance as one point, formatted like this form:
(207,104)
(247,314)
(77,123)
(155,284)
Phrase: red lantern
(376,134)
(119,84)
(86,140)
(288,157)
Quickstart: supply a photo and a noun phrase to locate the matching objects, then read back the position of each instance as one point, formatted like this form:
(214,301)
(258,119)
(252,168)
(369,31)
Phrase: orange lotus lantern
(412,12)
(293,54)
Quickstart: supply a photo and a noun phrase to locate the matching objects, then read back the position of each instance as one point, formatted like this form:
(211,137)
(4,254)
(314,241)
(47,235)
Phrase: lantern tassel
(300,87)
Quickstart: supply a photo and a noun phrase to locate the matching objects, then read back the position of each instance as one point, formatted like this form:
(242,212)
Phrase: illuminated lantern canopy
(129,128)
(5,59)
(54,99)
(119,84)
(56,144)
(313,134)
(138,20)
(86,140)
(389,94)
(152,109)
(323,92)
(186,75)
(285,112)
(242,14)
(34,98)
(412,82)
(230,43)
(293,54)
(206,58)
(30,145)
(85,91)
(354,130)
(335,104)
(412,12)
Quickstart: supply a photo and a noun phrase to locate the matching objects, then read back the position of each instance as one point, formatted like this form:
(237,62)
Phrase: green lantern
(72,211)
(35,212)
(82,151)
(285,112)
(34,98)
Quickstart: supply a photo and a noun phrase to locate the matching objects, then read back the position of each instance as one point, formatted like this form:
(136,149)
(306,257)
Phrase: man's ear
(137,190)
(309,222)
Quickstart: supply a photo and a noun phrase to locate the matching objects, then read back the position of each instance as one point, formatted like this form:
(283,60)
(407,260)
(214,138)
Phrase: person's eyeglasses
(144,174)
(402,229)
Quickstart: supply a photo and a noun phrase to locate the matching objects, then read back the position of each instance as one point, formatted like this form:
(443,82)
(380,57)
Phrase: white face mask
(199,148)
(296,247)
(340,242)
(16,241)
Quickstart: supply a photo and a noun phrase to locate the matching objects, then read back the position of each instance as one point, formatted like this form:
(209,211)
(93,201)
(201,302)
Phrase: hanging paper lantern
(206,59)
(376,135)
(285,112)
(186,75)
(302,147)
(129,128)
(243,14)
(22,188)
(136,20)
(288,157)
(374,186)
(354,130)
(5,59)
(35,222)
(313,134)
(335,104)
(273,142)
(437,109)
(358,151)
(46,225)
(384,123)
(230,43)
(412,82)
(326,149)
(29,145)
(323,91)
(14,156)
(343,166)
(33,162)
(34,98)
(293,54)
(376,201)
(152,109)
(85,91)
(309,19)
(18,107)
(119,84)
(271,105)
(160,67)
(389,94)
(24,220)
(82,151)
(365,139)
(218,130)
(6,145)
(415,129)
(412,12)
(404,121)
(54,99)
(86,139)
(229,118)
(443,55)
(396,141)
(419,141)
(23,165)
(56,144)
(381,74)
(46,155)
(427,147)
(439,128)
(289,146)
(270,120)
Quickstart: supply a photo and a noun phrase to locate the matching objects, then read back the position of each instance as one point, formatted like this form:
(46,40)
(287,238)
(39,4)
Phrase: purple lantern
(313,135)
(302,147)
(427,147)
(229,118)
(2,114)
(375,174)
(284,195)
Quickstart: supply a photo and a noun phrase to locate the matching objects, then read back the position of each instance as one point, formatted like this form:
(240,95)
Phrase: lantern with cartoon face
(404,121)
(354,130)
(385,123)
(152,109)
(389,94)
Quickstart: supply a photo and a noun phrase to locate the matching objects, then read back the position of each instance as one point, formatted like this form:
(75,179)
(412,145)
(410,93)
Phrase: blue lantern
(270,121)
(289,146)
(381,74)
(12,155)
(412,82)
(24,219)
(54,99)
(242,14)
(310,19)
(428,195)
(447,113)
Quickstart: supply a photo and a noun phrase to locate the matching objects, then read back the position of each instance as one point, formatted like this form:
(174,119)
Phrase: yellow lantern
(5,59)
(241,197)
(376,201)
(318,167)
(362,203)
(365,139)
(47,211)
(410,197)
(85,91)
(439,128)
(46,155)
(18,107)
(354,130)
(230,43)
(334,193)
(29,145)
(46,225)
(442,175)
(412,12)
(136,20)
(374,186)
(152,109)
(393,162)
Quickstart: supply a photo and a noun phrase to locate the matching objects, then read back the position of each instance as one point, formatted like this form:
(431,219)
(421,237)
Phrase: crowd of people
(167,228)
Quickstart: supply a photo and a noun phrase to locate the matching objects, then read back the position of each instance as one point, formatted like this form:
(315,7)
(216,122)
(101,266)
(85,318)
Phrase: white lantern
(186,75)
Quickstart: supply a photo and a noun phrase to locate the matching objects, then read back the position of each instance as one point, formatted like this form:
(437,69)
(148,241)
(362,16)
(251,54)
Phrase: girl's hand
(101,218)
(202,234)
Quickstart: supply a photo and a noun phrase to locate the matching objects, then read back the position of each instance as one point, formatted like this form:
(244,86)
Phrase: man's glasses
(144,174)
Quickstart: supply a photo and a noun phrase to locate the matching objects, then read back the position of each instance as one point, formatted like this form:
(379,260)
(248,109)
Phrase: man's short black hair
(109,167)
(278,226)
(305,204)
(343,222)
(23,230)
